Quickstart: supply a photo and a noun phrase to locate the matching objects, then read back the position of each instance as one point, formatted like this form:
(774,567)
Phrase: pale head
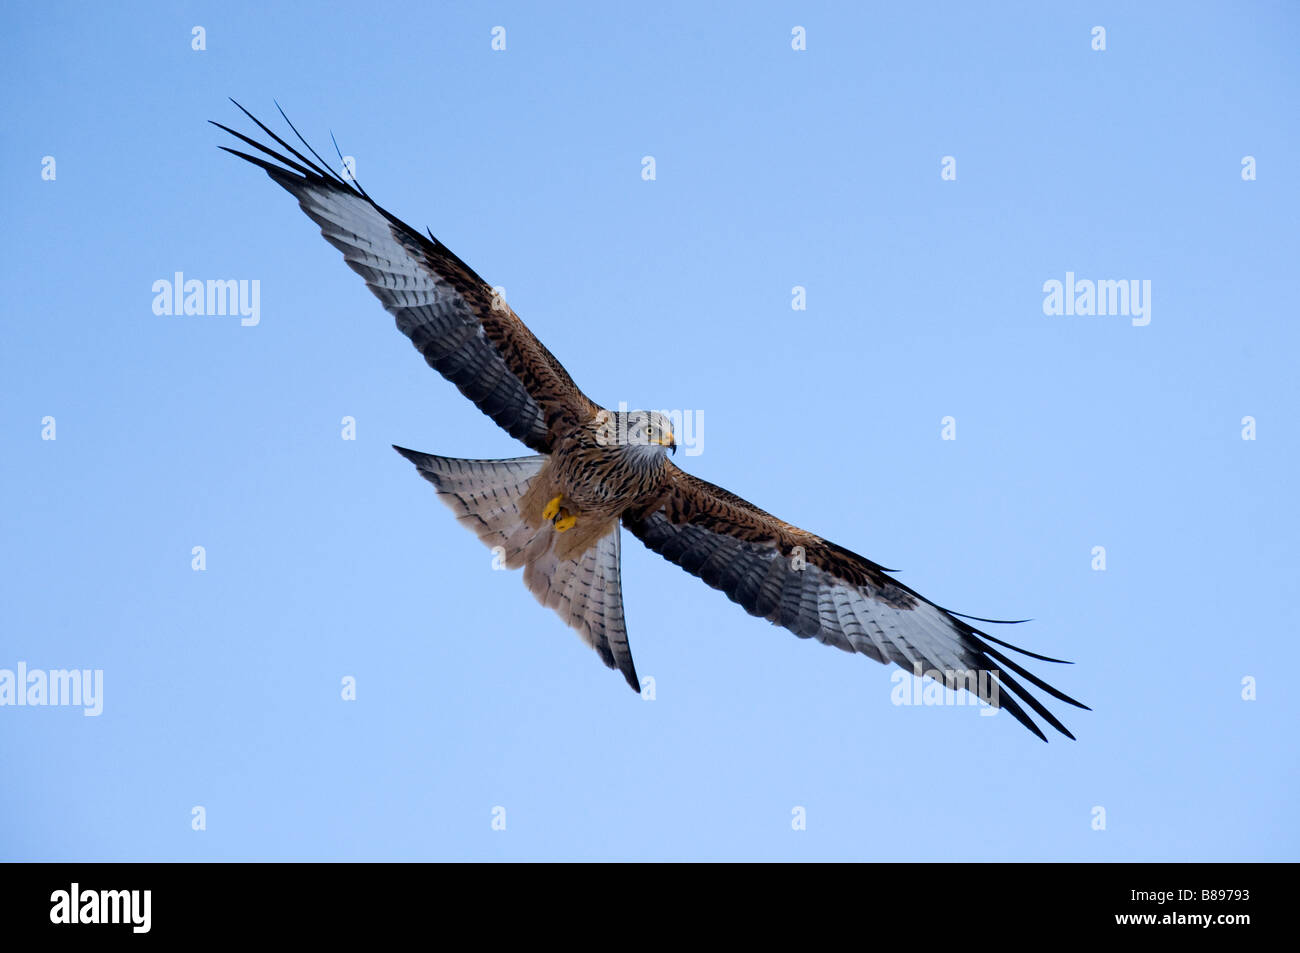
(643,432)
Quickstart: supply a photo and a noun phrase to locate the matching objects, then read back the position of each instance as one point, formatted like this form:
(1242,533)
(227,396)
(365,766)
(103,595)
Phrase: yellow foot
(552,508)
(565,524)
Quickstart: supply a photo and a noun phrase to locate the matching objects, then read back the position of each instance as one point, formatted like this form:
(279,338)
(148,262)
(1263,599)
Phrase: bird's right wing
(822,591)
(465,332)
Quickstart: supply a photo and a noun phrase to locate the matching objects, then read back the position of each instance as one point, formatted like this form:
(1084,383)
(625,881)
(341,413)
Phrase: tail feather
(585,590)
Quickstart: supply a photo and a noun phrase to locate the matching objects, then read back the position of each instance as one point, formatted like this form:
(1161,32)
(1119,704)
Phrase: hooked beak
(668,440)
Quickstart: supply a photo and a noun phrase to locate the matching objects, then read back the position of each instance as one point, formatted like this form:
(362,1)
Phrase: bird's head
(642,431)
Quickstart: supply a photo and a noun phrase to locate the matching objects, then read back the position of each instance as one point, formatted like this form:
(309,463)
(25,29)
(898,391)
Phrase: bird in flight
(558,512)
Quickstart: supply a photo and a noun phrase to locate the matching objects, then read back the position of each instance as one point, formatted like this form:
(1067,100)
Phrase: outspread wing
(451,315)
(819,590)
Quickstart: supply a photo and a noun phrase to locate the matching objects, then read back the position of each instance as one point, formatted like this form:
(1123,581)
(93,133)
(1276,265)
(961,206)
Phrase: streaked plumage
(557,513)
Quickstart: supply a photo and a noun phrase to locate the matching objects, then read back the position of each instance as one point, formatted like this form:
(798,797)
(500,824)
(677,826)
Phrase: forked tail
(585,590)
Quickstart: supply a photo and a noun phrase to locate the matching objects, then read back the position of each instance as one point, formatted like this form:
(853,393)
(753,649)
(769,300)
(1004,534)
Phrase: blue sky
(820,168)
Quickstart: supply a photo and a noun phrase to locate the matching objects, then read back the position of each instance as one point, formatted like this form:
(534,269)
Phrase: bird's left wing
(465,332)
(819,590)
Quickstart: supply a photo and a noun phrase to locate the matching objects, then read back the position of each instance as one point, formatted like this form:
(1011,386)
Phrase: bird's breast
(603,480)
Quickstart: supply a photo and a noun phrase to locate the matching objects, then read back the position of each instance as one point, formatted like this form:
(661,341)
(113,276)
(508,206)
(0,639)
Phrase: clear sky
(774,168)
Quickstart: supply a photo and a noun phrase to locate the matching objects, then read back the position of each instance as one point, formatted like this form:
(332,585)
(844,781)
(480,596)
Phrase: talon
(565,524)
(552,508)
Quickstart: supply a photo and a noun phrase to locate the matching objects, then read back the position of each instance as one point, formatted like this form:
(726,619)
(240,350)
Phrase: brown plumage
(557,514)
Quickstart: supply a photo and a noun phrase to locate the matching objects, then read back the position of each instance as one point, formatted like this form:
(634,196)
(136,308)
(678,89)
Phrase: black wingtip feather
(1039,708)
(323,164)
(1016,648)
(302,170)
(415,456)
(271,169)
(629,676)
(980,618)
(318,172)
(1034,679)
(343,164)
(1008,703)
